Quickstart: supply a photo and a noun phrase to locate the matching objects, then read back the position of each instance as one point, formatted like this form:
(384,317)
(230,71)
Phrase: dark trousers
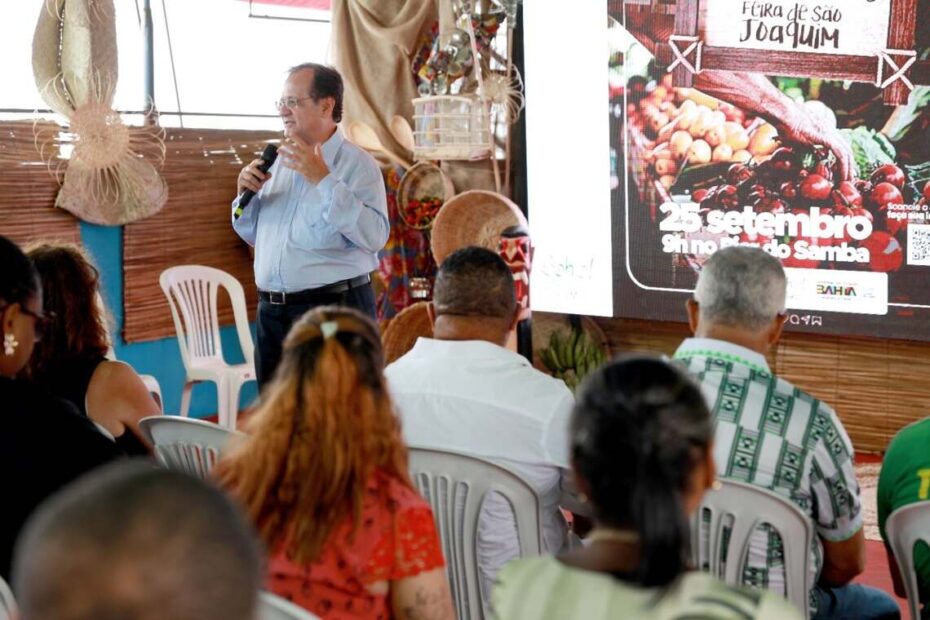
(275,321)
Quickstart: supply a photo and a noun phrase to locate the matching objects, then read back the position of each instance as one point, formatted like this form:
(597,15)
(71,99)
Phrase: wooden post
(901,26)
(686,24)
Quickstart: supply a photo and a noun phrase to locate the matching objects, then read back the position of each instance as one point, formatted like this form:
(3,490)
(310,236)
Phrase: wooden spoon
(402,132)
(364,136)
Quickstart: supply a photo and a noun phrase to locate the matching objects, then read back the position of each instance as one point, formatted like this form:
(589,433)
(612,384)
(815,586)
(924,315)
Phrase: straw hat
(475,217)
(404,329)
(111,175)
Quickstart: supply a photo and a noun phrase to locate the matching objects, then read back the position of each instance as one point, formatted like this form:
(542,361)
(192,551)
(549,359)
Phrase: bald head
(132,542)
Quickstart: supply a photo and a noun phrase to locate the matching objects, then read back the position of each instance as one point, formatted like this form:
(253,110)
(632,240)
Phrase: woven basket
(475,217)
(424,180)
(404,329)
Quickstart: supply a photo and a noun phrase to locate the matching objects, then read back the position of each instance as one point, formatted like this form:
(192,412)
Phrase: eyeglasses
(289,102)
(42,321)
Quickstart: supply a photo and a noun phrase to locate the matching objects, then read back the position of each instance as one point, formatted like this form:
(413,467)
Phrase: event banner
(800,127)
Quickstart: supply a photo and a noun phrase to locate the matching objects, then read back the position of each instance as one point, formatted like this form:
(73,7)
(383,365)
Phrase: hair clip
(329,329)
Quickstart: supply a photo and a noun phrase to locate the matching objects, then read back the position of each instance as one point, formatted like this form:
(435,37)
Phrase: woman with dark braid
(642,453)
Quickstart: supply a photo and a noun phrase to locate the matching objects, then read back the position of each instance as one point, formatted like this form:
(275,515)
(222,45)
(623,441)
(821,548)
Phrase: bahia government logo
(836,289)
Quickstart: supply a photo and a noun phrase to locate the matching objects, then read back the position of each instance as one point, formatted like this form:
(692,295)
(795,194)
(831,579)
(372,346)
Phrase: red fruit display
(846,195)
(926,191)
(816,187)
(883,194)
(885,253)
(420,213)
(737,173)
(889,173)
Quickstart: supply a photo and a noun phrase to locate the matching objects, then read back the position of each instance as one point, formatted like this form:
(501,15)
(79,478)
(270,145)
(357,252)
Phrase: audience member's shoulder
(398,494)
(720,600)
(915,431)
(546,381)
(26,397)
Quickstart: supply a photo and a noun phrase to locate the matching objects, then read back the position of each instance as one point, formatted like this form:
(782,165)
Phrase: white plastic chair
(273,607)
(904,527)
(455,485)
(183,444)
(192,294)
(152,385)
(7,602)
(740,508)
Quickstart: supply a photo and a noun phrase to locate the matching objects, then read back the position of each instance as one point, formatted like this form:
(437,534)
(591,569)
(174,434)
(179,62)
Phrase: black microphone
(268,156)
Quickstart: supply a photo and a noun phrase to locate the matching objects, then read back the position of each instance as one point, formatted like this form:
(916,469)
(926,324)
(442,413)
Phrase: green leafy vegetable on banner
(870,148)
(904,116)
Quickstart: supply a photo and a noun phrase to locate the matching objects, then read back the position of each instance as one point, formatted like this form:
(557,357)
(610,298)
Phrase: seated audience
(132,542)
(905,479)
(641,442)
(323,475)
(71,363)
(463,391)
(774,435)
(44,442)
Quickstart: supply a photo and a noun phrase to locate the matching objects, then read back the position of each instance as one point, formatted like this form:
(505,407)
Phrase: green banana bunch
(571,357)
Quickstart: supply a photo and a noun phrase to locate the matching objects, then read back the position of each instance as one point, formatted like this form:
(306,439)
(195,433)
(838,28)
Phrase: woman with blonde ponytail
(323,476)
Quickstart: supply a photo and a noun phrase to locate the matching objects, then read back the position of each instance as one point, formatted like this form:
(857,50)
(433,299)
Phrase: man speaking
(318,217)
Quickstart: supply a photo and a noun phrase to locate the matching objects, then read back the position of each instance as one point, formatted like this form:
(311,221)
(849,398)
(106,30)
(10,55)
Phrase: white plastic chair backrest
(455,486)
(741,508)
(183,444)
(192,294)
(7,602)
(273,607)
(904,527)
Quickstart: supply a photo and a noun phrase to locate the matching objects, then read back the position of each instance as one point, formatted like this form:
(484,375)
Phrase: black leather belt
(280,298)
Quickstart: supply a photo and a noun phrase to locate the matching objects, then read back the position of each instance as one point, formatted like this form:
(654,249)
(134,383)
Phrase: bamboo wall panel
(200,169)
(28,189)
(876,386)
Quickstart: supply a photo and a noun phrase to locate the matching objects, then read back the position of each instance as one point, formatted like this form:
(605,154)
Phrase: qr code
(918,244)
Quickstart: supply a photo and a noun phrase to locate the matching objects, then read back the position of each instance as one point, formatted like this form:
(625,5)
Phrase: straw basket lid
(476,217)
(404,329)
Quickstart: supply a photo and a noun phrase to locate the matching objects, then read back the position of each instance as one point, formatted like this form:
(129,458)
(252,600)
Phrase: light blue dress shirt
(309,235)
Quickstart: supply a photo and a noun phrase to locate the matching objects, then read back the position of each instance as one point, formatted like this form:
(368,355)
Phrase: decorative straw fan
(476,217)
(110,176)
(404,329)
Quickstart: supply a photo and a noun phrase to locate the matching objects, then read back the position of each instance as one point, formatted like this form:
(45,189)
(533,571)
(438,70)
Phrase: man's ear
(517,315)
(694,313)
(8,317)
(431,313)
(775,329)
(329,104)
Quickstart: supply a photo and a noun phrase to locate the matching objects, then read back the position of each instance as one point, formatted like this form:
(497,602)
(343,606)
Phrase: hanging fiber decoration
(504,93)
(111,175)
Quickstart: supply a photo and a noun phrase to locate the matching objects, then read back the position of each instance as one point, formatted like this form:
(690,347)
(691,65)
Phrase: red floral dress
(396,538)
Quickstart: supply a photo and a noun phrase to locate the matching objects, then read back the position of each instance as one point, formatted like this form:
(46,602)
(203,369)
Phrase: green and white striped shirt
(774,435)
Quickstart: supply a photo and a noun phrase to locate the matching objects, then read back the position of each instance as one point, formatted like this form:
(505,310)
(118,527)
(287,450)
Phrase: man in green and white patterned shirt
(774,435)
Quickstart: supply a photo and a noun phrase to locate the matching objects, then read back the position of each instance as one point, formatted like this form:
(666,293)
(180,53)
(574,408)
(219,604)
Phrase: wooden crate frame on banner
(687,55)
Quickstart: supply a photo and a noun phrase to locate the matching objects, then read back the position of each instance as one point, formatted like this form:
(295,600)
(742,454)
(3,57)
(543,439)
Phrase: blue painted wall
(160,358)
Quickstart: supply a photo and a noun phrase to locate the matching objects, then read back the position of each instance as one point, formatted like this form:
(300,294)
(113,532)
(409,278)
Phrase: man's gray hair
(741,286)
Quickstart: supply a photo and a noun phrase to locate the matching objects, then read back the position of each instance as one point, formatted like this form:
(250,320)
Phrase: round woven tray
(402,332)
(475,217)
(423,180)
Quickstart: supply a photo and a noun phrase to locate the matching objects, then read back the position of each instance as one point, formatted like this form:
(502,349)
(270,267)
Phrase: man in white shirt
(463,391)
